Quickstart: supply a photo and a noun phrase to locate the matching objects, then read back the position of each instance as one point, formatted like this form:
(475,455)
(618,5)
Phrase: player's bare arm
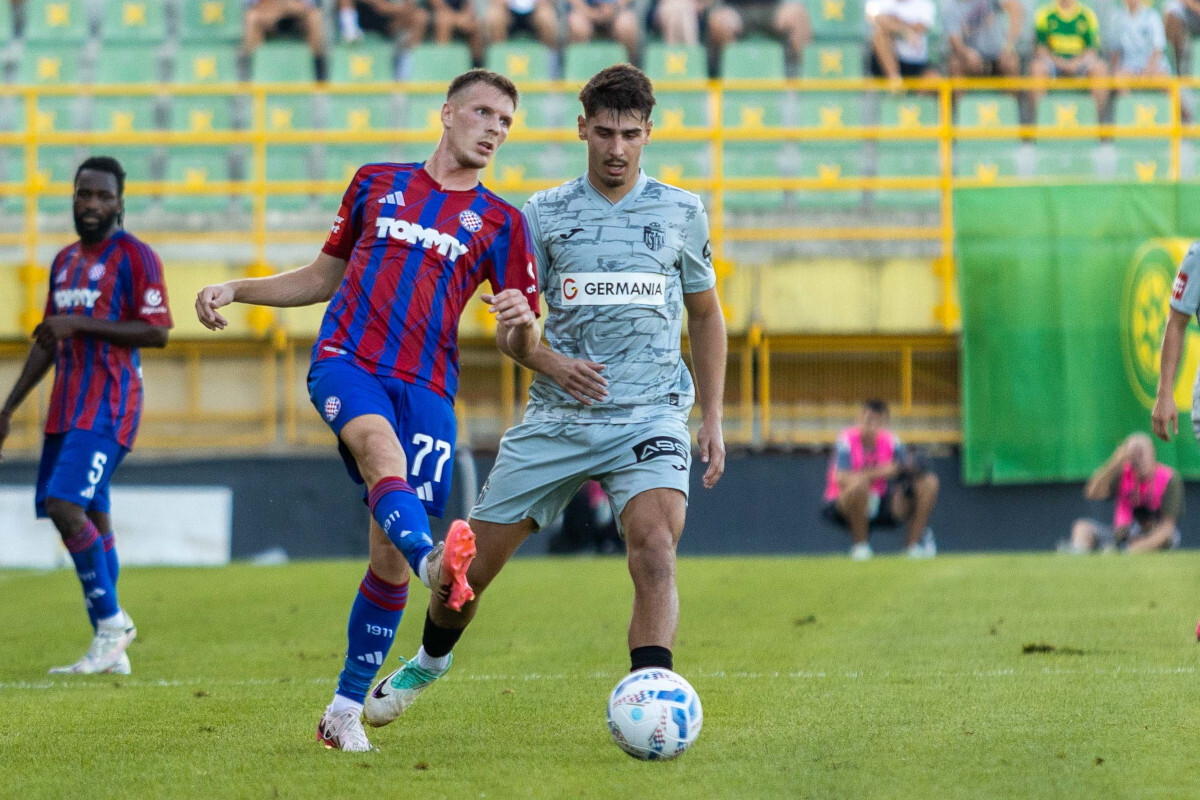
(306,286)
(706,332)
(37,364)
(126,333)
(1165,416)
(517,331)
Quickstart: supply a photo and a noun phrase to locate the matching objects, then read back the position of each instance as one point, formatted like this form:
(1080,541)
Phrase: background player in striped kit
(620,257)
(408,248)
(107,299)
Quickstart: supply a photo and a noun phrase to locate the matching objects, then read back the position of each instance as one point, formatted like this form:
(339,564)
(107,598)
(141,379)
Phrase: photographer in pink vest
(873,482)
(1149,499)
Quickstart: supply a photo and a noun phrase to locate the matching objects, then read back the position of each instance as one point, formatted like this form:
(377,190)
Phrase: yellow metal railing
(259,136)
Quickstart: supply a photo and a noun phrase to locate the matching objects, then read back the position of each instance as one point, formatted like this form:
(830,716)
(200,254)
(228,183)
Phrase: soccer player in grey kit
(620,256)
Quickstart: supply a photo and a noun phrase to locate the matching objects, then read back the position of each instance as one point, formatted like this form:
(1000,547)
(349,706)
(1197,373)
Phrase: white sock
(117,620)
(341,703)
(426,661)
(423,571)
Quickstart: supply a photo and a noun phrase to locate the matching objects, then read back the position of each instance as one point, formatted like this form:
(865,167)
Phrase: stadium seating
(370,61)
(201,113)
(362,112)
(908,157)
(283,62)
(128,63)
(754,110)
(197,167)
(986,160)
(833,60)
(58,21)
(205,63)
(1064,110)
(987,110)
(341,161)
(288,163)
(134,21)
(290,112)
(211,21)
(519,60)
(678,109)
(432,64)
(836,19)
(46,65)
(138,169)
(1142,159)
(1065,159)
(7,32)
(55,165)
(583,60)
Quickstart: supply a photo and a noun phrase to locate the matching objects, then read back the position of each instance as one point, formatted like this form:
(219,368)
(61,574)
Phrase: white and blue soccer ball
(654,714)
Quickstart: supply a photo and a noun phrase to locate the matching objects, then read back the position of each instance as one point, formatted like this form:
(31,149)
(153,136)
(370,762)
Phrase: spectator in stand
(1181,21)
(265,18)
(1068,46)
(900,38)
(792,24)
(691,22)
(1149,499)
(979,46)
(451,17)
(1141,41)
(615,18)
(402,20)
(506,18)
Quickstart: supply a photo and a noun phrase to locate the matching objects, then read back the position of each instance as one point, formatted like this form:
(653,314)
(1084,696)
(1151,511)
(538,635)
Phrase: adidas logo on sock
(394,198)
(425,492)
(375,658)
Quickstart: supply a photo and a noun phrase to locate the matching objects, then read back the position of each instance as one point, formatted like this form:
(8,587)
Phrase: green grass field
(819,677)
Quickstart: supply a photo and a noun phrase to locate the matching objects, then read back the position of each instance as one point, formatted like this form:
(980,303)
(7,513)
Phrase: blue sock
(110,555)
(374,618)
(87,551)
(400,513)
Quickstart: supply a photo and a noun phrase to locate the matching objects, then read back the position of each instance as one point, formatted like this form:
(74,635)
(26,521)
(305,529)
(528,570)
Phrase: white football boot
(395,693)
(107,653)
(343,731)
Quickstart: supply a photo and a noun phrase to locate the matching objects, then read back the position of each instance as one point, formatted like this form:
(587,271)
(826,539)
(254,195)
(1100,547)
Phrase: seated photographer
(1149,499)
(873,482)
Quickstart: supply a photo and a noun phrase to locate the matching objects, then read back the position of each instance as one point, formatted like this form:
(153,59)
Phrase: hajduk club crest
(470,220)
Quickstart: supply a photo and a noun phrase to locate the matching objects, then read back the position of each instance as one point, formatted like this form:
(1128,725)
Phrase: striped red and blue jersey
(97,384)
(415,255)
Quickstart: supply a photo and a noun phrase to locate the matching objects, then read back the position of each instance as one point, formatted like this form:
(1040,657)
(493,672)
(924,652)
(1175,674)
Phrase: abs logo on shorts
(663,447)
(333,407)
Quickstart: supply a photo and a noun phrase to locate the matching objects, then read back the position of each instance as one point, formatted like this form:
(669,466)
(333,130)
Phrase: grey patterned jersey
(614,276)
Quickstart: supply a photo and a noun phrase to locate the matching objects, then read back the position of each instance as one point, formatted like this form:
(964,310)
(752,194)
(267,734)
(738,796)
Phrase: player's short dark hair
(105,164)
(621,88)
(876,406)
(493,79)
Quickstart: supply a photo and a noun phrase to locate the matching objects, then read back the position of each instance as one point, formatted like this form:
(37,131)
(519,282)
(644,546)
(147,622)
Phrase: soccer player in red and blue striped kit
(407,250)
(107,299)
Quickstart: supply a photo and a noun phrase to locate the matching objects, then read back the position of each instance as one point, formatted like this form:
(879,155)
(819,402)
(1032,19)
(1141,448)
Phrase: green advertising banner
(1064,300)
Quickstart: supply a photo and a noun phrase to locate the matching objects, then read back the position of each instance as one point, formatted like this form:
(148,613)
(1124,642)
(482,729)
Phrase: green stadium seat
(752,59)
(583,60)
(1064,110)
(987,110)
(677,162)
(59,113)
(362,112)
(545,110)
(137,170)
(283,62)
(520,60)
(123,113)
(201,113)
(1195,57)
(289,112)
(986,160)
(910,112)
(7,32)
(199,63)
(134,21)
(1143,160)
(829,161)
(530,162)
(288,163)
(1142,109)
(370,61)
(438,62)
(752,160)
(55,165)
(667,62)
(211,21)
(197,167)
(674,110)
(128,63)
(829,60)
(47,66)
(1065,159)
(831,110)
(836,19)
(908,160)
(58,21)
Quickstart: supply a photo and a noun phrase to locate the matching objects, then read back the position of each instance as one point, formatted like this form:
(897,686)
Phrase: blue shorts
(422,419)
(76,467)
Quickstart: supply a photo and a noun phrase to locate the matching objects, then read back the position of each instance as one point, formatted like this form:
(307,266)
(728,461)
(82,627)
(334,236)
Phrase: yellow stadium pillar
(32,273)
(259,318)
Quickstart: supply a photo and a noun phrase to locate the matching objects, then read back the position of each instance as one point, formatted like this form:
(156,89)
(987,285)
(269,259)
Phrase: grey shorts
(541,466)
(1106,536)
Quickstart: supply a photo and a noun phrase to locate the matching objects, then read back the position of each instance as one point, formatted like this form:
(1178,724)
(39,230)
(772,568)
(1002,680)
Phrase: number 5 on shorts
(95,474)
(427,444)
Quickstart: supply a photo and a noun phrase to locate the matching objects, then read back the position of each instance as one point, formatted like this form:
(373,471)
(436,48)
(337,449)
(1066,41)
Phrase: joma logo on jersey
(662,447)
(614,288)
(409,233)
(75,298)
